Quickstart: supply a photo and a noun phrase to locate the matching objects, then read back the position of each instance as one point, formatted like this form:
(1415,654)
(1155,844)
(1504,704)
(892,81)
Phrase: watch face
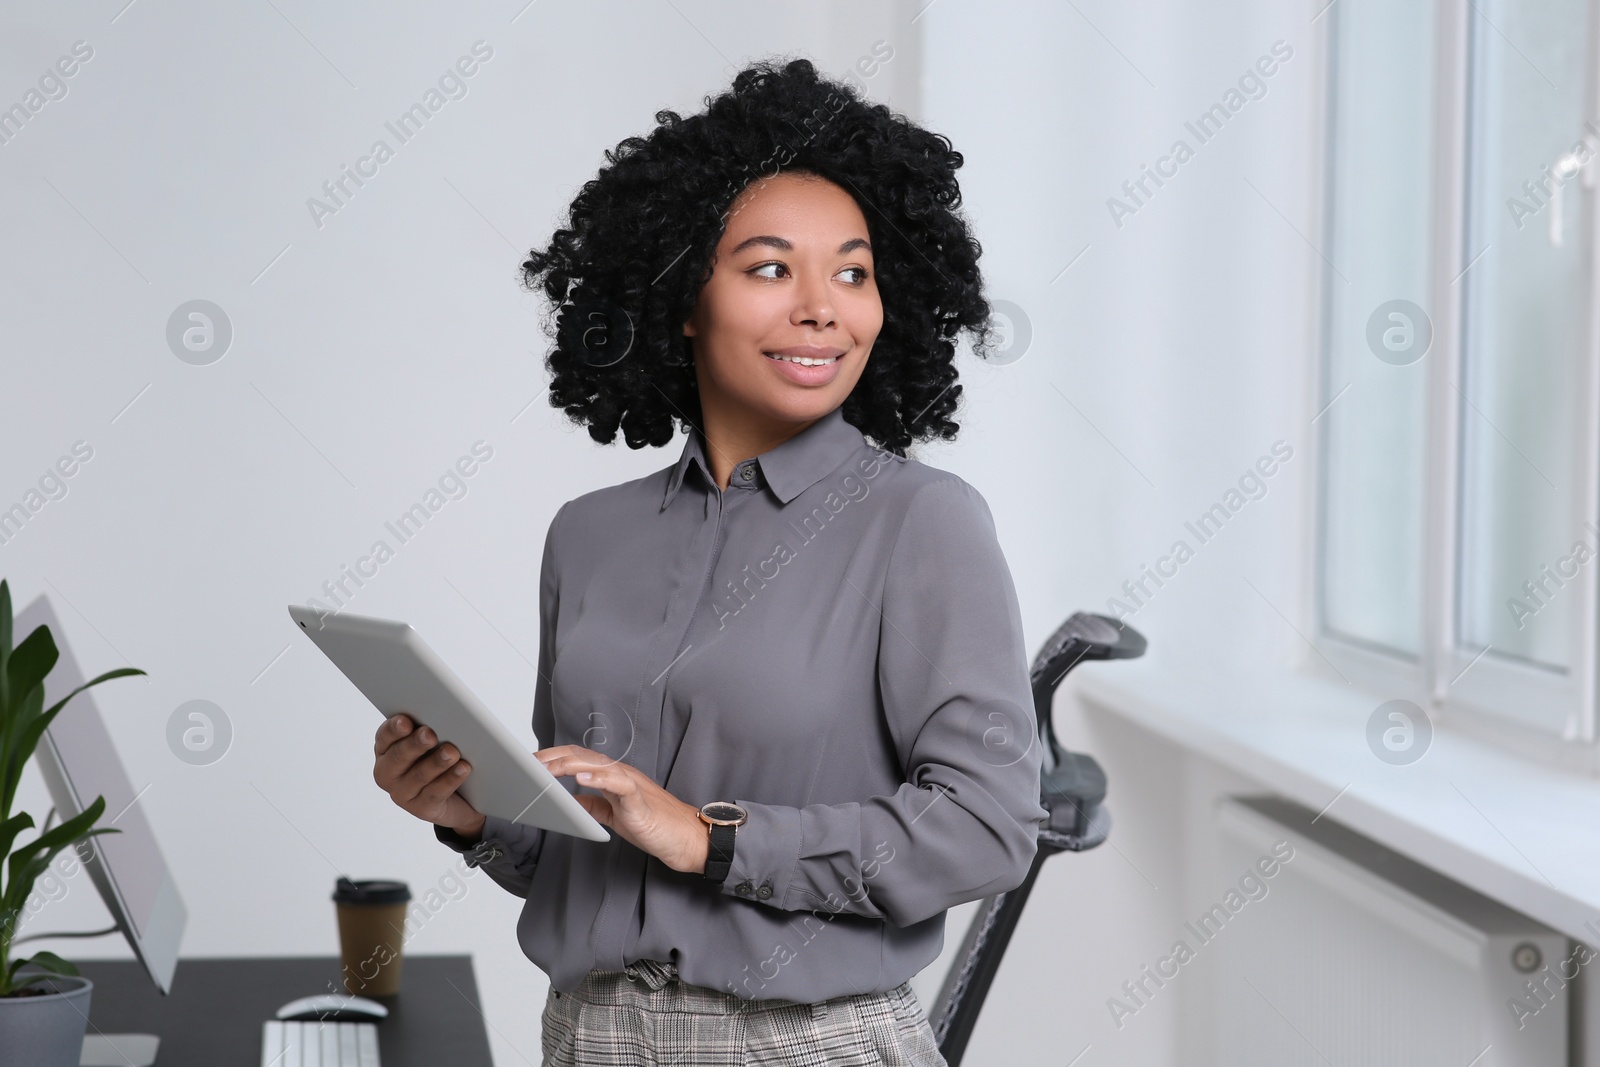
(724,812)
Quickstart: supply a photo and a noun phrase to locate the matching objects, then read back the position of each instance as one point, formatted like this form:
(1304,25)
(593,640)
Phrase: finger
(402,753)
(421,739)
(608,779)
(578,758)
(422,773)
(392,760)
(567,751)
(565,759)
(417,739)
(447,781)
(393,729)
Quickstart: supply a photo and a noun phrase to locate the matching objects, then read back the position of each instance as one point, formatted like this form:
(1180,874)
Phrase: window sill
(1516,830)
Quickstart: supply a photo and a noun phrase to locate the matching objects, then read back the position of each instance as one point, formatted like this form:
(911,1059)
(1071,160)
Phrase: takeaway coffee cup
(372,924)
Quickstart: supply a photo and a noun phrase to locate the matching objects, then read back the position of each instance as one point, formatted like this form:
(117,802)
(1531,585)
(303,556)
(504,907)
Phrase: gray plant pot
(47,1031)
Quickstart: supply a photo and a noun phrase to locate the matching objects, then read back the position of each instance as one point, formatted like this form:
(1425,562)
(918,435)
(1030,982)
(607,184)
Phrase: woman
(790,666)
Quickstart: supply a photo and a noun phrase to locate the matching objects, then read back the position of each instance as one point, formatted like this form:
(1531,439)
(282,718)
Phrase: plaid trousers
(646,1016)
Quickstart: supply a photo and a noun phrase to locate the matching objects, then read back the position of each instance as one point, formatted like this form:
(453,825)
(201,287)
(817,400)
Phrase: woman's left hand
(634,805)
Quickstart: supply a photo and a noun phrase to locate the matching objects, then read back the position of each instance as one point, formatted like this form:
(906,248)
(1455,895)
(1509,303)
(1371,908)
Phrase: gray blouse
(833,642)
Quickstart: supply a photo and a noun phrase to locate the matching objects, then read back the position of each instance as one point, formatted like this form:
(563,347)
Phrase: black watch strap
(719,858)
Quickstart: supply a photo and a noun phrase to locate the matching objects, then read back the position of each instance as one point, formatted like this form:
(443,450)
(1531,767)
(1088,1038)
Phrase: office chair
(1072,788)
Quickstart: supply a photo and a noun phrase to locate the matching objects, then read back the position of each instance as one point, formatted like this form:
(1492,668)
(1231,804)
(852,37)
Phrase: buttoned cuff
(499,838)
(766,848)
(484,850)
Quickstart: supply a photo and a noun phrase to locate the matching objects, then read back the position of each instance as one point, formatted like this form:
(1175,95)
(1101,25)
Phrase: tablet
(396,670)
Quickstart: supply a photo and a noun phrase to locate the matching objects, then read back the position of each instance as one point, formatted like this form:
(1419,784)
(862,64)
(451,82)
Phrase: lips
(812,355)
(812,372)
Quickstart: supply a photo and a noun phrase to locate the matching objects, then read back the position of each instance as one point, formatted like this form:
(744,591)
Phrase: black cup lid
(371,891)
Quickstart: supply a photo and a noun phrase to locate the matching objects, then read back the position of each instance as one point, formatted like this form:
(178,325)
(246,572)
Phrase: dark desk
(216,1008)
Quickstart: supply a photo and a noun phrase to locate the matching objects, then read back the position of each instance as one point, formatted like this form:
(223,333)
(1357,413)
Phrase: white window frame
(1504,701)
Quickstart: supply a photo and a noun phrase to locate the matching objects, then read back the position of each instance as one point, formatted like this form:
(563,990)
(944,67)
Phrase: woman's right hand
(422,776)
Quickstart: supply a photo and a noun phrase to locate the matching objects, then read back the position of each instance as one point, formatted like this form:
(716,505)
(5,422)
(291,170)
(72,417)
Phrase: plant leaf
(32,660)
(49,961)
(72,828)
(12,757)
(56,839)
(27,867)
(11,828)
(25,671)
(120,672)
(5,643)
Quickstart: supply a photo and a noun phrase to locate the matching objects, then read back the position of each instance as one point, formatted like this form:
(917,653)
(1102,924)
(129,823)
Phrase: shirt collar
(789,469)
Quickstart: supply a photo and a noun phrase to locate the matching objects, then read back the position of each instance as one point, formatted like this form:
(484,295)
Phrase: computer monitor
(79,762)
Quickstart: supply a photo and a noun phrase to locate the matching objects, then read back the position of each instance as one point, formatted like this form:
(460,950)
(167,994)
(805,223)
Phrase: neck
(730,438)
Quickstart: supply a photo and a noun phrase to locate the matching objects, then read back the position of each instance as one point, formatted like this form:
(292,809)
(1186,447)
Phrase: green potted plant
(43,1014)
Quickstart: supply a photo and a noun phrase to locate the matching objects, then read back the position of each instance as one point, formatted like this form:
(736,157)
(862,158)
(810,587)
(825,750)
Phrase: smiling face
(793,275)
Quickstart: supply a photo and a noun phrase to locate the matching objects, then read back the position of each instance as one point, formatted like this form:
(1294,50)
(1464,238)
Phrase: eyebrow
(784,245)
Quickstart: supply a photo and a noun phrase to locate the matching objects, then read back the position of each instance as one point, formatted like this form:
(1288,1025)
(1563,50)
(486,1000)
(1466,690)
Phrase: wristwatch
(721,817)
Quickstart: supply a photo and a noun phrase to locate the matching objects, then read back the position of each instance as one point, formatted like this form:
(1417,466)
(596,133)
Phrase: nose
(813,303)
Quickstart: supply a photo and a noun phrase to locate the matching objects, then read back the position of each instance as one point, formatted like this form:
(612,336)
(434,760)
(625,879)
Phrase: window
(1458,454)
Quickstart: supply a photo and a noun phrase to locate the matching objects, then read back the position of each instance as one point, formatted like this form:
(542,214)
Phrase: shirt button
(764,892)
(743,889)
(745,473)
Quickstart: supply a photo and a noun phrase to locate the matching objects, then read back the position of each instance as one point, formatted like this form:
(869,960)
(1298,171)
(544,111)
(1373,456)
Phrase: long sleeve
(508,851)
(953,677)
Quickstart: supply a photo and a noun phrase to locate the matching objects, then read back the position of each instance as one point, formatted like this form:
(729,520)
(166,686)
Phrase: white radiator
(1352,954)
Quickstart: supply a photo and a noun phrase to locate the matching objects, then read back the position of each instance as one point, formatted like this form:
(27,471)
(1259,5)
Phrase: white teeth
(801,360)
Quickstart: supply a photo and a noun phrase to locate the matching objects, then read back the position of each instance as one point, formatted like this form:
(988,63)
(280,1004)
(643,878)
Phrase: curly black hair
(626,270)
